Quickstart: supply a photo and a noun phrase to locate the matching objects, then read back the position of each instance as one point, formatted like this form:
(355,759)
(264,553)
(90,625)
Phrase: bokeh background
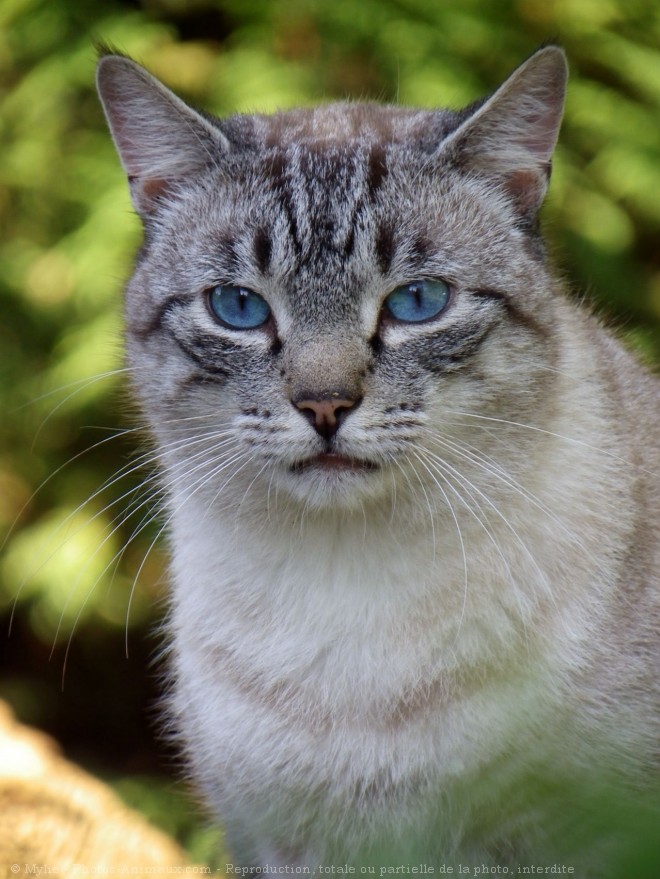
(82,573)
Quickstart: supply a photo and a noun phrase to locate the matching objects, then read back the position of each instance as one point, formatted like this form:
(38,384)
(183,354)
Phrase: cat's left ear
(512,135)
(161,141)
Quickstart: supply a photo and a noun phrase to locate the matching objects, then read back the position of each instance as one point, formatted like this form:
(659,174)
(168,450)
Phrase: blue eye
(238,308)
(419,301)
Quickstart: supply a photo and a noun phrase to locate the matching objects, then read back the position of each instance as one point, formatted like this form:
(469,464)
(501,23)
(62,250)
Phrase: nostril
(326,413)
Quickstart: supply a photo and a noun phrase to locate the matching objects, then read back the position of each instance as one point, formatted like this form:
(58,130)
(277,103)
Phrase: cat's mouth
(334,461)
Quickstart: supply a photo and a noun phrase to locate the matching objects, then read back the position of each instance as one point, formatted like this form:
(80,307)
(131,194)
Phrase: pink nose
(326,413)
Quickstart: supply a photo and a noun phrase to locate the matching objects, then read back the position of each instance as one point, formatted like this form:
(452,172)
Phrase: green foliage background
(69,595)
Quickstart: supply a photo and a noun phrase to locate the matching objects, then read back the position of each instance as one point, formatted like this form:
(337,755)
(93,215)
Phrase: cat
(412,487)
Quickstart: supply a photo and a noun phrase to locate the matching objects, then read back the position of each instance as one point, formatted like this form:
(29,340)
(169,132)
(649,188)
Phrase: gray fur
(370,659)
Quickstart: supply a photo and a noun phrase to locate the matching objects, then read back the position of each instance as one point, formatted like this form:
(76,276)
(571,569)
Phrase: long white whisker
(254,479)
(491,467)
(443,463)
(460,538)
(123,472)
(430,509)
(560,436)
(117,434)
(54,473)
(122,521)
(86,383)
(465,485)
(462,482)
(201,483)
(145,522)
(80,384)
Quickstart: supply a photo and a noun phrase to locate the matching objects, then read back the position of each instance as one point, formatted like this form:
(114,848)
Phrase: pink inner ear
(527,187)
(146,191)
(155,187)
(543,127)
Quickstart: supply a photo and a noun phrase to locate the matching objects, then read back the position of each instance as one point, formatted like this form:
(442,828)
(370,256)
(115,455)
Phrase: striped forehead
(321,190)
(319,181)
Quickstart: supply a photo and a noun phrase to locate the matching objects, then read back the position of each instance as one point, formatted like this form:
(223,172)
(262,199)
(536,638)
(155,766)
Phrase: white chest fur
(340,679)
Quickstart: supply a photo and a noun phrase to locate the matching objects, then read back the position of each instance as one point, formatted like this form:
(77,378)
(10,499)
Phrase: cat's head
(325,297)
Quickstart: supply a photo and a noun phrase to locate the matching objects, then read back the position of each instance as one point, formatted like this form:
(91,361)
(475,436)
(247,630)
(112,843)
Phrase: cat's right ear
(510,137)
(161,141)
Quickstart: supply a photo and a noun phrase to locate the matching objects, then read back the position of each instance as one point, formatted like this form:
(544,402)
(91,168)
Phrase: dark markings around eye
(450,349)
(214,355)
(487,293)
(196,380)
(155,322)
(515,314)
(205,361)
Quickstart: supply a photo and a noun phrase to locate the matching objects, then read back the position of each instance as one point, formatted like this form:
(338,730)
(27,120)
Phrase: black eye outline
(242,308)
(406,303)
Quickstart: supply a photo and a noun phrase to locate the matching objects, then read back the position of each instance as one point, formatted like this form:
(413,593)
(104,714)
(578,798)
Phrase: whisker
(54,473)
(430,509)
(254,479)
(461,541)
(82,387)
(121,520)
(82,384)
(117,434)
(505,478)
(200,484)
(125,471)
(560,436)
(444,464)
(393,496)
(145,522)
(465,484)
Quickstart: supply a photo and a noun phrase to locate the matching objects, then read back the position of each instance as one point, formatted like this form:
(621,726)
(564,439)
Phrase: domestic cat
(412,488)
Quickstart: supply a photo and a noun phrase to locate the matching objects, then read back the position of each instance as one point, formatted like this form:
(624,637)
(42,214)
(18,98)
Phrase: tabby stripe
(286,202)
(377,170)
(194,381)
(263,247)
(512,310)
(349,243)
(347,247)
(199,359)
(229,258)
(450,348)
(385,247)
(155,323)
(280,184)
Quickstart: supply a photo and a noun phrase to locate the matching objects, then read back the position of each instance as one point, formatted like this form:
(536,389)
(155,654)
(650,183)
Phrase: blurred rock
(57,819)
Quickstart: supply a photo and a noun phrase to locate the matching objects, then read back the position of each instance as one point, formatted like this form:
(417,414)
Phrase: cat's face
(323,295)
